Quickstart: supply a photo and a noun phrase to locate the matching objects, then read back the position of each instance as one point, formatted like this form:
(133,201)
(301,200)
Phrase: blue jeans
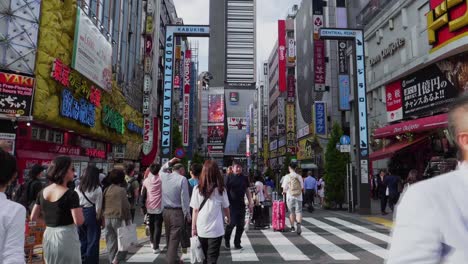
(90,234)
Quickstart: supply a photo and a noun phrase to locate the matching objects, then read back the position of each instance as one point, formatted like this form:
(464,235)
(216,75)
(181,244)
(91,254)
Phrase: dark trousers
(392,200)
(132,212)
(238,221)
(309,198)
(211,247)
(173,221)
(90,234)
(383,203)
(155,227)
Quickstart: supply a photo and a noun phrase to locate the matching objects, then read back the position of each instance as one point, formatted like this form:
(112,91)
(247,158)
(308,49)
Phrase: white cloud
(268,13)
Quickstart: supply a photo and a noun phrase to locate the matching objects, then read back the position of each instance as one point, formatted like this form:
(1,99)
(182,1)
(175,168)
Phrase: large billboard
(16,94)
(282,55)
(92,52)
(215,134)
(239,123)
(215,108)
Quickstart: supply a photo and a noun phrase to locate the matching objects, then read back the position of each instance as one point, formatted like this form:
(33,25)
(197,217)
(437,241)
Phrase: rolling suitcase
(278,214)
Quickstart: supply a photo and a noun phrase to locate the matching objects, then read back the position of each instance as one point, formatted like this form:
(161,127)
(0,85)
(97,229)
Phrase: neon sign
(113,119)
(79,110)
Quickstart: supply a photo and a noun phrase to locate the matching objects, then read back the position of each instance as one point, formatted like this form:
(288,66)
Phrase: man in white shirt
(293,186)
(12,215)
(431,223)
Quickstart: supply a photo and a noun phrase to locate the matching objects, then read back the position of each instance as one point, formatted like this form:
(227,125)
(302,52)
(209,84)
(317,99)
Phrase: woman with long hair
(116,210)
(209,200)
(90,194)
(60,207)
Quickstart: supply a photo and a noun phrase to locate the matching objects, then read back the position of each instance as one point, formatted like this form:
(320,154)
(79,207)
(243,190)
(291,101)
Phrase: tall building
(232,63)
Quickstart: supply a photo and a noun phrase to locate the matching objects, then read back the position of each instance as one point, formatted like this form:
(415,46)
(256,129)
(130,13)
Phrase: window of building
(48,135)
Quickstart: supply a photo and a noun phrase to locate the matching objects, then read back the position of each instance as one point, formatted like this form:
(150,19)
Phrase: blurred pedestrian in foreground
(12,215)
(152,205)
(116,210)
(60,208)
(209,200)
(431,220)
(175,199)
(90,194)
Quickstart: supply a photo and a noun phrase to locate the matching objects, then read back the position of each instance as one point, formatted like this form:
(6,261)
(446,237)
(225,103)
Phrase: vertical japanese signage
(186,112)
(291,50)
(281,116)
(344,92)
(177,64)
(342,58)
(282,55)
(447,21)
(147,135)
(290,126)
(16,94)
(291,88)
(394,101)
(320,118)
(319,47)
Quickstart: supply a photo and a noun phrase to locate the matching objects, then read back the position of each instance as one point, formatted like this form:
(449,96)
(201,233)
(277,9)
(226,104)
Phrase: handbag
(99,218)
(126,236)
(196,251)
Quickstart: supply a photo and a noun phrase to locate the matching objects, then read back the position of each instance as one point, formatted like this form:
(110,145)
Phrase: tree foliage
(335,170)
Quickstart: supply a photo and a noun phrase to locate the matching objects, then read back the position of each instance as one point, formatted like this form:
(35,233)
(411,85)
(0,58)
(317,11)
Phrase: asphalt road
(327,237)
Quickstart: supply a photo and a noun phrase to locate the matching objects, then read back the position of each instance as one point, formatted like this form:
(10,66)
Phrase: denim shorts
(294,206)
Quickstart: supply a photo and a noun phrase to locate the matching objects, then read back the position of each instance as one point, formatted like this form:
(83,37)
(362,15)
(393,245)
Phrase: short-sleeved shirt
(135,186)
(285,186)
(210,222)
(236,186)
(58,213)
(260,194)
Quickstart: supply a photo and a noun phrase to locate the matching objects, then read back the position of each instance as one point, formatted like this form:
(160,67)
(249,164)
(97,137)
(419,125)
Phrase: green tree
(335,170)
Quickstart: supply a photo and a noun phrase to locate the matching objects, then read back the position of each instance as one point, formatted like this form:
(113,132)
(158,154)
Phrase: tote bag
(126,236)
(196,251)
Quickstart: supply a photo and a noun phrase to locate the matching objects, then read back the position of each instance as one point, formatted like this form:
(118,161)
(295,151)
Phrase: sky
(268,13)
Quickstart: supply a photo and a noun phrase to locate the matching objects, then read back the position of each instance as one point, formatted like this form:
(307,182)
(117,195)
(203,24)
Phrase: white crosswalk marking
(247,253)
(361,229)
(285,248)
(326,246)
(368,246)
(144,254)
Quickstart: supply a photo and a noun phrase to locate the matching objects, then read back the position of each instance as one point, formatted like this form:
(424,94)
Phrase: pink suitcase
(278,215)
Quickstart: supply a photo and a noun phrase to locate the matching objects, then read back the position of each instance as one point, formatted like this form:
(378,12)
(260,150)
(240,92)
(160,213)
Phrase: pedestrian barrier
(34,233)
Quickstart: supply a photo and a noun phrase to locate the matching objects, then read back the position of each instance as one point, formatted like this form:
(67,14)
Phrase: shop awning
(413,126)
(391,149)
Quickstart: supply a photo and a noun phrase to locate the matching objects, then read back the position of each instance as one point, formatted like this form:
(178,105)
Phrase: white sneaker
(156,251)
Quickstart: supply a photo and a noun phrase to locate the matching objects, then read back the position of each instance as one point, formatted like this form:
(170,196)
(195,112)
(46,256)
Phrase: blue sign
(81,111)
(345,140)
(134,128)
(344,91)
(320,118)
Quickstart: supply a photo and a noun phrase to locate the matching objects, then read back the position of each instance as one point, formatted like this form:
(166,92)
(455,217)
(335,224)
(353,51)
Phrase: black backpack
(130,191)
(20,194)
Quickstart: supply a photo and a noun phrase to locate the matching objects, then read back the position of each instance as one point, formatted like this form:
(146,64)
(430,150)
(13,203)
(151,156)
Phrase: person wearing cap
(175,201)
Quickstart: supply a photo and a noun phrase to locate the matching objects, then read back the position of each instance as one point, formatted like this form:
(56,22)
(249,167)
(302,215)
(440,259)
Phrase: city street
(327,237)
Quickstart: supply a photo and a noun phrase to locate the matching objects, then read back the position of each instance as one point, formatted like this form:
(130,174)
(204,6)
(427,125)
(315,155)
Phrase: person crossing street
(293,187)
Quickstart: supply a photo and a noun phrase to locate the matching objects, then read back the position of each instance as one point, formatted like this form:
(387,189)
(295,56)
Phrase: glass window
(59,137)
(35,133)
(50,136)
(42,134)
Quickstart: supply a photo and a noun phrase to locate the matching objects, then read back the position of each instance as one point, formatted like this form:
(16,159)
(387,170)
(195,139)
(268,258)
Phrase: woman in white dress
(321,190)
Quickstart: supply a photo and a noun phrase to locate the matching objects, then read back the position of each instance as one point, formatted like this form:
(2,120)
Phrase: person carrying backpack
(293,186)
(133,188)
(27,193)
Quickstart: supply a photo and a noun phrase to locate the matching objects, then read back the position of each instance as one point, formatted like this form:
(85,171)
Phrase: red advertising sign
(413,126)
(147,135)
(186,121)
(282,55)
(187,70)
(319,65)
(394,101)
(291,88)
(148,44)
(215,134)
(151,155)
(446,22)
(216,108)
(95,153)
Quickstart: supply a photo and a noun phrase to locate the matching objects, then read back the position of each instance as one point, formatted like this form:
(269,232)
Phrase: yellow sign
(149,24)
(305,149)
(178,52)
(281,151)
(265,150)
(441,16)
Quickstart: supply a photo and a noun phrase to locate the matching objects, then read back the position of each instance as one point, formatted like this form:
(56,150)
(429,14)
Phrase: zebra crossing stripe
(247,253)
(326,246)
(366,245)
(283,246)
(361,229)
(144,254)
